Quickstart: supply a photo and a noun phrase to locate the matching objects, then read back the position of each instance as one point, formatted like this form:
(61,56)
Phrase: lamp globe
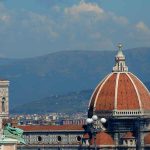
(103,120)
(94,117)
(89,120)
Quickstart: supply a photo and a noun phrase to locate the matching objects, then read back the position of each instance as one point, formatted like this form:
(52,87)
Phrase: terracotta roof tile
(28,128)
(128,135)
(103,138)
(143,92)
(127,97)
(94,95)
(105,99)
(147,139)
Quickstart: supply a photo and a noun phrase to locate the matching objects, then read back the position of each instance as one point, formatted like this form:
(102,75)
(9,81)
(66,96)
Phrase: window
(59,138)
(78,138)
(131,142)
(39,138)
(3,104)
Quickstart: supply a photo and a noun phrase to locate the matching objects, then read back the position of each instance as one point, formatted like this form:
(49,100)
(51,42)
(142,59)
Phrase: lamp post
(92,129)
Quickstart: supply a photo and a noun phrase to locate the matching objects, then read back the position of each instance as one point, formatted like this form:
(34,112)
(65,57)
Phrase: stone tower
(4,102)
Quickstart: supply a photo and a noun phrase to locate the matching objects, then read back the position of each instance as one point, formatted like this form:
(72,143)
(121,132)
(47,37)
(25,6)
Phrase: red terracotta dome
(102,138)
(128,135)
(120,93)
(147,139)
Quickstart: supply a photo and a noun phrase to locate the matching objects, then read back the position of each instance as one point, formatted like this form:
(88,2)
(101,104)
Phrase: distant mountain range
(67,103)
(60,73)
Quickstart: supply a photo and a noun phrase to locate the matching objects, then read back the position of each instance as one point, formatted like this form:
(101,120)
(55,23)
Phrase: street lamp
(92,129)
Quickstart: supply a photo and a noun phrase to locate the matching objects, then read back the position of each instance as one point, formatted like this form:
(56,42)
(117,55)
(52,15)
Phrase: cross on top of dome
(120,65)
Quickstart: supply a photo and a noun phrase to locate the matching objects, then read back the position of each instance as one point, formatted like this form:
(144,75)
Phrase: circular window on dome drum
(59,138)
(78,138)
(39,138)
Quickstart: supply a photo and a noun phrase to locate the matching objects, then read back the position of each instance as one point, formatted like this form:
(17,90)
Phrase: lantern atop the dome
(120,65)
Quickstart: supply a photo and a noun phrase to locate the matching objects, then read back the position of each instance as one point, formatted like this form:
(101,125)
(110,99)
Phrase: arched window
(3,104)
(39,138)
(59,139)
(78,138)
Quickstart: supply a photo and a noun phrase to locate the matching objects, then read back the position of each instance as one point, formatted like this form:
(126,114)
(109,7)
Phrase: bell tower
(4,101)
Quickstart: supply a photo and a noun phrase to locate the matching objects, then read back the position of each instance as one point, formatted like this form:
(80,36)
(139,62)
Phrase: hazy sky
(36,27)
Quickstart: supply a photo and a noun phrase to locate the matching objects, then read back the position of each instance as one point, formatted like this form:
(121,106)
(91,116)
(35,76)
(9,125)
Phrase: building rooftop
(30,128)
